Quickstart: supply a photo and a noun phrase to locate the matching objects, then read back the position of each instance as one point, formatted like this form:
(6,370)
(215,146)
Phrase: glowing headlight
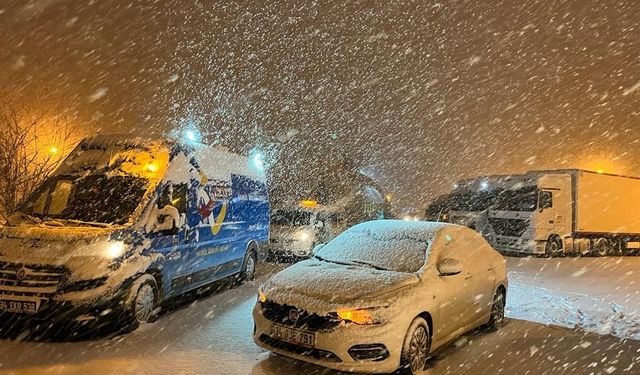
(362,317)
(302,236)
(261,296)
(114,250)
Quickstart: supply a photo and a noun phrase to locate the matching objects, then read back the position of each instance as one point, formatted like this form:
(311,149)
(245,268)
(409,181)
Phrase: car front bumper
(332,346)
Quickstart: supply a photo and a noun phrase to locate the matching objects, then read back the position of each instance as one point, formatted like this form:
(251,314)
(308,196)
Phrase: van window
(176,196)
(91,199)
(60,197)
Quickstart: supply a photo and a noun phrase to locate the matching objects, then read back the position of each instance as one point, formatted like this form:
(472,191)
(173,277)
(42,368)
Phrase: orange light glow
(309,203)
(53,150)
(356,316)
(151,167)
(262,297)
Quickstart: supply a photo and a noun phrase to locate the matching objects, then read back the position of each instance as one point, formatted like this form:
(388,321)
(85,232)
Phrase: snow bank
(595,294)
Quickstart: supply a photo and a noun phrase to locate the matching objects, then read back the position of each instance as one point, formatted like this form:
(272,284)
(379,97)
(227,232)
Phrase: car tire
(416,347)
(554,246)
(248,272)
(496,320)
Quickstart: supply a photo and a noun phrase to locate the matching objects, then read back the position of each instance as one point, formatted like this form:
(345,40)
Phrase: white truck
(554,212)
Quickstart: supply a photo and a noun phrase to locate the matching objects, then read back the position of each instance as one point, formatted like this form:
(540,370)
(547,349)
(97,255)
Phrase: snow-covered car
(383,295)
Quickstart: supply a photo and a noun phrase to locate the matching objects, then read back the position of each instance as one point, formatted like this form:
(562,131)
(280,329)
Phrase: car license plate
(27,307)
(293,336)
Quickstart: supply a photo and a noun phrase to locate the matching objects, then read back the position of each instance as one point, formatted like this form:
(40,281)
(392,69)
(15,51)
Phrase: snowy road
(213,335)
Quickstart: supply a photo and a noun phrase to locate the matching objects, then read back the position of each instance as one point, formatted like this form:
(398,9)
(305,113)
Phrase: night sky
(417,93)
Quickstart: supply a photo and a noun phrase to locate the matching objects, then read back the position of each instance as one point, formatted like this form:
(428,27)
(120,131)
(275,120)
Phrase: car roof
(419,230)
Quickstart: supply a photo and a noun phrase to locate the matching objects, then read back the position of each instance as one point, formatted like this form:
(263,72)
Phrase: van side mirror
(167,220)
(449,267)
(319,224)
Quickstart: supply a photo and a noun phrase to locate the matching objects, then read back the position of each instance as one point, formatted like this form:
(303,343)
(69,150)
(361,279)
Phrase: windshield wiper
(333,261)
(371,265)
(87,223)
(32,218)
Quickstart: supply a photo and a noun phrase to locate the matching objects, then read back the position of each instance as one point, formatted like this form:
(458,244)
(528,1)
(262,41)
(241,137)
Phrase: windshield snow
(91,199)
(366,246)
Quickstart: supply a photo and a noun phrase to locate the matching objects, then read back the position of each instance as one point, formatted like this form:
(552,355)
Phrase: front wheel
(416,347)
(249,267)
(554,246)
(496,321)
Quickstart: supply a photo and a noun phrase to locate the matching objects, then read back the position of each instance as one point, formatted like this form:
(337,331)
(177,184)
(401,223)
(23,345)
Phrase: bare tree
(32,146)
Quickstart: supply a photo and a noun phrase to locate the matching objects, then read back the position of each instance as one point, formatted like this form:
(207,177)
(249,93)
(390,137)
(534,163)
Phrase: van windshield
(89,199)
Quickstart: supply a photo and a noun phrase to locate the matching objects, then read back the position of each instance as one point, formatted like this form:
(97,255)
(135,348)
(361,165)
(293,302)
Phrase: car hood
(323,287)
(78,249)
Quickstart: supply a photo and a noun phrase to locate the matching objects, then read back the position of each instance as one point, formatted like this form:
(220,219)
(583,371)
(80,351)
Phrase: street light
(53,150)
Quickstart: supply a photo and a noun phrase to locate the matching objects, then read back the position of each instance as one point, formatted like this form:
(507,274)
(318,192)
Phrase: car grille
(280,314)
(300,350)
(509,227)
(30,280)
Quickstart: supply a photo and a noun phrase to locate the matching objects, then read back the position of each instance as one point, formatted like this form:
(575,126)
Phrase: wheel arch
(427,316)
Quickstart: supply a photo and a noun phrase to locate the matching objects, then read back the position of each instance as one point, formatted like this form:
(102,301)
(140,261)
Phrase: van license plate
(293,336)
(27,307)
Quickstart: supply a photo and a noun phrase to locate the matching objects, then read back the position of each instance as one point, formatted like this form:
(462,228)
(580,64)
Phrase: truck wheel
(416,347)
(601,247)
(554,246)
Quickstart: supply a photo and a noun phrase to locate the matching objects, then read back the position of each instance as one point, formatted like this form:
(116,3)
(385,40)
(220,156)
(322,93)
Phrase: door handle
(551,221)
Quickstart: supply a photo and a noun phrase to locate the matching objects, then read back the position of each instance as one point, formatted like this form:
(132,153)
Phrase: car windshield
(91,199)
(290,218)
(384,250)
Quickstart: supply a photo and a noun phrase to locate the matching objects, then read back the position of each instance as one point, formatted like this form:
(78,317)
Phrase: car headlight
(303,235)
(262,298)
(361,316)
(114,250)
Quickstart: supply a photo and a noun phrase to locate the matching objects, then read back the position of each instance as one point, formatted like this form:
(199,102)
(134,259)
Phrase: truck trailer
(553,212)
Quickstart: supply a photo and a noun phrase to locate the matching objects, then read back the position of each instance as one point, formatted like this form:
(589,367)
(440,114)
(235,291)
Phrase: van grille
(30,280)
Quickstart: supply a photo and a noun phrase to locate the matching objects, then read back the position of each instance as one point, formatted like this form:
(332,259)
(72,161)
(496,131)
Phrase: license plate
(27,307)
(293,336)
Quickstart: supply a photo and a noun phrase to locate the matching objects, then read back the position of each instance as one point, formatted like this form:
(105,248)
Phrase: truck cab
(126,223)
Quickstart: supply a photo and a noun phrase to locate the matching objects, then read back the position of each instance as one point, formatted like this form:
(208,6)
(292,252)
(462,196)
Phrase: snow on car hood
(323,287)
(79,249)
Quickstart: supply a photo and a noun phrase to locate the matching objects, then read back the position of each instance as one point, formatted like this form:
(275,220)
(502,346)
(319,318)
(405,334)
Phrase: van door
(175,244)
(212,256)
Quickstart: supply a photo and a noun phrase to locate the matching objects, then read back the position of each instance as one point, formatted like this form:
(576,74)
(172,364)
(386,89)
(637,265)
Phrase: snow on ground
(600,295)
(212,335)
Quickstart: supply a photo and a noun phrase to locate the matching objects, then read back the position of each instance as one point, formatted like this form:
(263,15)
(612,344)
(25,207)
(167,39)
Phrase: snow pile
(596,294)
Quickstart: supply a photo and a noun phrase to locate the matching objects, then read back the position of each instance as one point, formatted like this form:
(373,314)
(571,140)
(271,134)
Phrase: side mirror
(317,248)
(449,267)
(167,220)
(319,224)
